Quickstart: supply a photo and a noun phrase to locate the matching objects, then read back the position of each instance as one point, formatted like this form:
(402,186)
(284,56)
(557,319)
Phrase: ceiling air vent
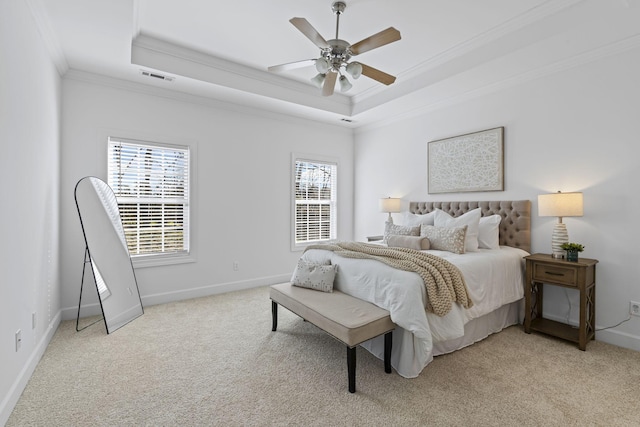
(156,75)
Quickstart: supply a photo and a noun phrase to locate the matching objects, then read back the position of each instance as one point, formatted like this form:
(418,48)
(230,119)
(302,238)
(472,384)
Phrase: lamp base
(558,238)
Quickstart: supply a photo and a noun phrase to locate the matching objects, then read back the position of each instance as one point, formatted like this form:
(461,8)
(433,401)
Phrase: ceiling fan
(336,53)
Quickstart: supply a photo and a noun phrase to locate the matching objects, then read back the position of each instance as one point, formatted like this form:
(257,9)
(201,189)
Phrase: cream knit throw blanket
(443,280)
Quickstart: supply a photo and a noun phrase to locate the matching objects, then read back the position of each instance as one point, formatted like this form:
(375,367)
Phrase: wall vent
(156,75)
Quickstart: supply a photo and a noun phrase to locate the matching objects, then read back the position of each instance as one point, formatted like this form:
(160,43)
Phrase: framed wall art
(471,162)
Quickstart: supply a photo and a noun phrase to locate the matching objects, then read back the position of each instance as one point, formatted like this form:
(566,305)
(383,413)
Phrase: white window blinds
(315,185)
(151,183)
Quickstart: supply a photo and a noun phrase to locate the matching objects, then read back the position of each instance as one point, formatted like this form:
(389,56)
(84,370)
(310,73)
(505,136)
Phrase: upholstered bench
(346,318)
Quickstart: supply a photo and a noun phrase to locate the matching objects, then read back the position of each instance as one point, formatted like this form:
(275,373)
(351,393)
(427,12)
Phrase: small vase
(572,256)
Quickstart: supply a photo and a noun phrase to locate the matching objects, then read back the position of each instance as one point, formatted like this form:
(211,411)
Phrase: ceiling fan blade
(382,38)
(292,65)
(378,75)
(312,34)
(329,83)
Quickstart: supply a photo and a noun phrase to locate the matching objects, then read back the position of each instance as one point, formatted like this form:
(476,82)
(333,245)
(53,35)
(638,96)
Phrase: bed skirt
(475,330)
(478,329)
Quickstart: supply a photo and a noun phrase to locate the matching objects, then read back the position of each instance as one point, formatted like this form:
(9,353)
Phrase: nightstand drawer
(555,274)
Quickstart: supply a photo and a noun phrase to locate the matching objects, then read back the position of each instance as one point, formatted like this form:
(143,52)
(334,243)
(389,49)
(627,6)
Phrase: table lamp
(390,205)
(560,205)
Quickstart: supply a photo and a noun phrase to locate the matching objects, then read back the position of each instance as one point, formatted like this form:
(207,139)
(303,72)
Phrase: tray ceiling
(449,51)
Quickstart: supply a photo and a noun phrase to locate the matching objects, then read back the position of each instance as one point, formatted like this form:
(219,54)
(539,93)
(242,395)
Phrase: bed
(494,278)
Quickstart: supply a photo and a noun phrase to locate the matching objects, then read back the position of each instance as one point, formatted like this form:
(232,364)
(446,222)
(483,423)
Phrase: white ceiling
(450,49)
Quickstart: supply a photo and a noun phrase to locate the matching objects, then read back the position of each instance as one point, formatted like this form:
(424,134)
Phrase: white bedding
(493,277)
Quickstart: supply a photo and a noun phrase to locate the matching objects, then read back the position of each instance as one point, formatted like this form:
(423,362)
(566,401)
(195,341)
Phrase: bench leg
(274,315)
(388,340)
(351,368)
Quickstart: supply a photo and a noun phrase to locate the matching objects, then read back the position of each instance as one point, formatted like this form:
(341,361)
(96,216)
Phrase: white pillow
(411,219)
(471,219)
(489,232)
(318,277)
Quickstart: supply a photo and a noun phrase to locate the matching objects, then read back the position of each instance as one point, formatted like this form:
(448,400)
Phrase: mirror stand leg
(87,259)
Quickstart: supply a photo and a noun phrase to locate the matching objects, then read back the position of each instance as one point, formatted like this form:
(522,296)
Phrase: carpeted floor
(214,361)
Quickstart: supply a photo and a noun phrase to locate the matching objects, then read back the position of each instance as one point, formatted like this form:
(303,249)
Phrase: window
(151,184)
(315,212)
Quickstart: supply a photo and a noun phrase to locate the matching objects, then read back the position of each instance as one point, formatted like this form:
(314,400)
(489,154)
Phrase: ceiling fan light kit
(318,80)
(323,65)
(354,69)
(336,53)
(345,84)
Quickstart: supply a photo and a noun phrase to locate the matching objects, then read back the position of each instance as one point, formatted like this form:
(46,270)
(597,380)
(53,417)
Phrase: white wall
(29,172)
(242,181)
(573,131)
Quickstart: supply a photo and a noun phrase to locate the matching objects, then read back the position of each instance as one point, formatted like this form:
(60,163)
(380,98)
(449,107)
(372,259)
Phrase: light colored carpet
(215,361)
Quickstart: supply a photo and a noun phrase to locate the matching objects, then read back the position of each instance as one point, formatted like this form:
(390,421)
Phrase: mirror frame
(107,253)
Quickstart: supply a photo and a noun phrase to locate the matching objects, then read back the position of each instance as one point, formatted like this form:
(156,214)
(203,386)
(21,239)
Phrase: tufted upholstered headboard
(515,227)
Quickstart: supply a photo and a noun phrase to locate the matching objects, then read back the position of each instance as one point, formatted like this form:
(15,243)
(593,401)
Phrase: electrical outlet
(18,339)
(236,266)
(634,308)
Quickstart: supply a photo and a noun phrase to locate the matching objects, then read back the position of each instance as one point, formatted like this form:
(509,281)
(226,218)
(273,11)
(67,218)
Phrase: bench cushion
(349,319)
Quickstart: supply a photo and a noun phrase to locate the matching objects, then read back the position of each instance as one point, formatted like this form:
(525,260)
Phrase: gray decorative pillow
(318,277)
(445,239)
(390,229)
(419,243)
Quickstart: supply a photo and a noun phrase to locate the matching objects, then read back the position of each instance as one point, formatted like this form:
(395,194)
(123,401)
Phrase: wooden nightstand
(581,275)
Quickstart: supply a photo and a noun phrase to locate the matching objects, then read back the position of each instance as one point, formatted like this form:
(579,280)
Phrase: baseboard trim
(618,338)
(183,294)
(205,291)
(10,401)
(610,336)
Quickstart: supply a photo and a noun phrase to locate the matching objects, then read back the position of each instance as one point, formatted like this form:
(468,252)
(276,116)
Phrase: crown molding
(517,23)
(467,47)
(206,101)
(39,14)
(168,57)
(602,52)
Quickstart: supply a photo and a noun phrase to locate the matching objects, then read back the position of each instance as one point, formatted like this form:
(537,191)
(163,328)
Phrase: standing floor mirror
(107,254)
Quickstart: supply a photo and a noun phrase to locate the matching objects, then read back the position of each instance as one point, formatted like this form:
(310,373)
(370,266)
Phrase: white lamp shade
(345,84)
(390,205)
(354,69)
(560,204)
(318,80)
(322,65)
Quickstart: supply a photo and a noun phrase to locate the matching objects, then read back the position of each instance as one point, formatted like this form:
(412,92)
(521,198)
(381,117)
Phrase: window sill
(160,260)
(299,247)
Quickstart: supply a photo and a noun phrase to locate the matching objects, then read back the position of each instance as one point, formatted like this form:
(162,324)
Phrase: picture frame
(467,163)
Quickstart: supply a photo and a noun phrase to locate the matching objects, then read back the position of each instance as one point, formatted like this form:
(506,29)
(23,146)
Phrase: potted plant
(572,250)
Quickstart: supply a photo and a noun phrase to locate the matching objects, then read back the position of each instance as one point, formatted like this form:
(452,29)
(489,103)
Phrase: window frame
(323,160)
(158,259)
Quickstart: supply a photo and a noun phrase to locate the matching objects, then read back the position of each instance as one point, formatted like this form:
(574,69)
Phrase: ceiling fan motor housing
(338,55)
